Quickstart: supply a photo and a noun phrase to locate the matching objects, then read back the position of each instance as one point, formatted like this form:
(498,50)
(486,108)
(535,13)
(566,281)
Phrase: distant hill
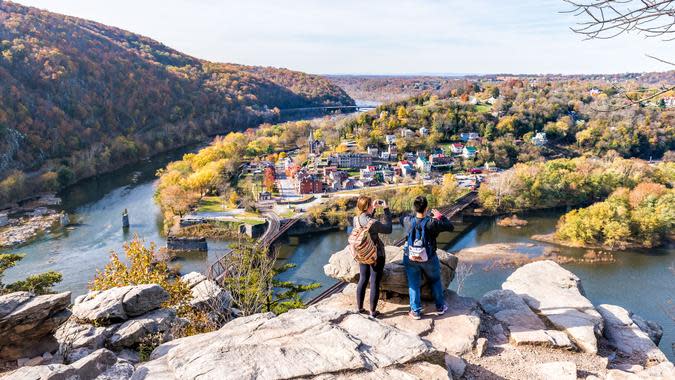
(387,88)
(90,97)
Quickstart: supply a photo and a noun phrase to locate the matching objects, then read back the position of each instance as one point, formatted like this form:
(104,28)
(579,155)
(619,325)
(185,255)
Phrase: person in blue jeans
(429,227)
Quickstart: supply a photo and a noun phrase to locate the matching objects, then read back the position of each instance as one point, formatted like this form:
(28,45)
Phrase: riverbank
(21,230)
(622,246)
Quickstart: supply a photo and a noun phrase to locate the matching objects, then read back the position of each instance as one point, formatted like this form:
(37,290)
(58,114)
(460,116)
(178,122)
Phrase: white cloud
(375,36)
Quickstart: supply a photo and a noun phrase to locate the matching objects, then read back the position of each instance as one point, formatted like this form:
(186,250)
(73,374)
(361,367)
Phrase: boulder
(144,298)
(208,296)
(27,323)
(92,366)
(192,279)
(557,295)
(342,266)
(134,331)
(102,307)
(524,325)
(302,343)
(119,304)
(79,340)
(557,370)
(627,337)
(653,329)
(662,371)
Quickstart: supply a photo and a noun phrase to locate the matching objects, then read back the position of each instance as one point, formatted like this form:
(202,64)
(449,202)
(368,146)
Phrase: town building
(469,152)
(315,146)
(440,161)
(309,185)
(367,173)
(385,156)
(407,170)
(468,136)
(373,151)
(367,182)
(353,160)
(407,133)
(390,139)
(393,150)
(423,165)
(387,175)
(457,148)
(424,132)
(539,139)
(348,184)
(669,102)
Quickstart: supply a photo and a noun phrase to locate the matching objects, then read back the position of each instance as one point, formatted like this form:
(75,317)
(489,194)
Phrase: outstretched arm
(384,225)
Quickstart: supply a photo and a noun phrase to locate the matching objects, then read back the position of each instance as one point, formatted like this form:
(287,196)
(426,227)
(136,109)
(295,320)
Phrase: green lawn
(484,108)
(211,204)
(251,221)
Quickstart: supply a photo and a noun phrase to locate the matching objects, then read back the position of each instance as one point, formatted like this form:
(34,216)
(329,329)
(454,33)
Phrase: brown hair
(363,204)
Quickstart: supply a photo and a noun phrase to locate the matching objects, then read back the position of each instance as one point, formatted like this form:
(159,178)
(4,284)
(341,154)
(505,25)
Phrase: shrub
(37,284)
(144,267)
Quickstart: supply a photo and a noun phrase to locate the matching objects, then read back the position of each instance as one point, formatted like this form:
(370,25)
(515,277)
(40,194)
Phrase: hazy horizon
(389,38)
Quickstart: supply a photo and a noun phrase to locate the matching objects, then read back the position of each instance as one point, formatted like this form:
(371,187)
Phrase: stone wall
(186,244)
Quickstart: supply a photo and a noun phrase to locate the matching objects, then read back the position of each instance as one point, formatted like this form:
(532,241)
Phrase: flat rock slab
(302,343)
(627,337)
(342,266)
(557,371)
(524,325)
(556,294)
(454,333)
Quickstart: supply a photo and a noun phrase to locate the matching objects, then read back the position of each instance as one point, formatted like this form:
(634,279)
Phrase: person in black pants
(366,207)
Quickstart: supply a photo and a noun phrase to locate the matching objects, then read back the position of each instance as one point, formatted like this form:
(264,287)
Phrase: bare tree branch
(603,19)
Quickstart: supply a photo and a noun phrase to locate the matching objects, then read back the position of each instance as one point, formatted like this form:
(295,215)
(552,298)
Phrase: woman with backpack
(368,249)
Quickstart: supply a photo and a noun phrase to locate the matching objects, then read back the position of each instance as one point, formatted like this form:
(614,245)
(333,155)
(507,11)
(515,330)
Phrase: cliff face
(67,84)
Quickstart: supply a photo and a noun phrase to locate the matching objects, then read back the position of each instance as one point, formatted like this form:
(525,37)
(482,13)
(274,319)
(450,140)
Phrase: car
(476,171)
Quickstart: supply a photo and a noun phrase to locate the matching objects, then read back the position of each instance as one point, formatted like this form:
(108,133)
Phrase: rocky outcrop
(342,266)
(27,323)
(454,333)
(101,364)
(556,294)
(308,343)
(117,319)
(628,338)
(119,304)
(524,325)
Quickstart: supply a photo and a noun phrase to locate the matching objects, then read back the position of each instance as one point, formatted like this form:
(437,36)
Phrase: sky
(376,36)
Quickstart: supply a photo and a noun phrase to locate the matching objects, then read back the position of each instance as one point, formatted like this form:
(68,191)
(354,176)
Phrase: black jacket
(381,226)
(433,228)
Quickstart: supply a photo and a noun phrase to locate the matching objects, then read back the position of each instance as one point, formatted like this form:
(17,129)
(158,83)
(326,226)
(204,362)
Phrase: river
(643,281)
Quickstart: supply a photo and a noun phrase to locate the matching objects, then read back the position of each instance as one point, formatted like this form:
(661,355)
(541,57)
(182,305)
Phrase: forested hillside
(78,98)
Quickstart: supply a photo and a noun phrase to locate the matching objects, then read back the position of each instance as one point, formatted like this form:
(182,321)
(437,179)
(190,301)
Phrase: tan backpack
(361,245)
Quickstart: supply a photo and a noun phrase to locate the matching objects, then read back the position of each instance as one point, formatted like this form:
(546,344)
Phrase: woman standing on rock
(366,207)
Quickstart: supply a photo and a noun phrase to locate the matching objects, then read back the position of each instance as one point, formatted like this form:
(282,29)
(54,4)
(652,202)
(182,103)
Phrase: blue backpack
(419,247)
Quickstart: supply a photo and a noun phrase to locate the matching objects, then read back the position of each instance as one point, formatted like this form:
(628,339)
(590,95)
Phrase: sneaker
(362,311)
(442,310)
(375,314)
(415,315)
